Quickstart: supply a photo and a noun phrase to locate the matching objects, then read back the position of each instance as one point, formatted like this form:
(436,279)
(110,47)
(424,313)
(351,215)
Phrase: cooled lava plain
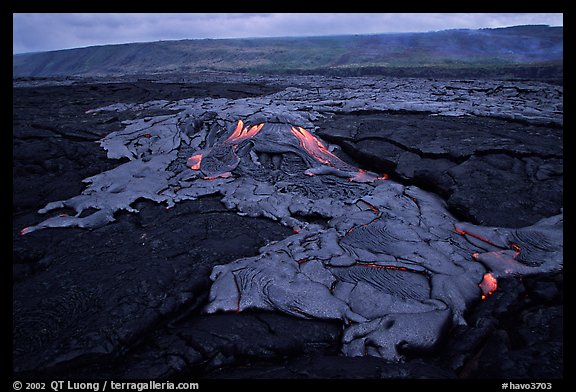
(288,227)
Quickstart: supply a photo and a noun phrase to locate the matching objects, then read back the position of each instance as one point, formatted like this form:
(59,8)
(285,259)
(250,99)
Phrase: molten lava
(478,237)
(372,207)
(363,176)
(222,156)
(231,144)
(488,285)
(313,146)
(373,265)
(317,150)
(194,161)
(242,133)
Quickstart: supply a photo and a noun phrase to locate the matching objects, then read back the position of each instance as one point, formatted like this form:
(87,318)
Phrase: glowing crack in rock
(390,262)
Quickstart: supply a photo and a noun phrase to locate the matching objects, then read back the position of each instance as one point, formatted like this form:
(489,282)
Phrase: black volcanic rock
(95,293)
(524,194)
(335,367)
(491,171)
(125,300)
(85,296)
(198,345)
(521,333)
(55,140)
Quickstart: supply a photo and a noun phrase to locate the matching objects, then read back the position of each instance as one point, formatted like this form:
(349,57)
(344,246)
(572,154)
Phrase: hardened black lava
(143,281)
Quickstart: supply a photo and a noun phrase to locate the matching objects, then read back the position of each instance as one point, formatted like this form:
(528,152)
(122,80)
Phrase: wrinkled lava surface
(126,299)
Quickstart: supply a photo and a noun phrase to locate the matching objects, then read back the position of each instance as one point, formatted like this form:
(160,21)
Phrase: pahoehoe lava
(389,263)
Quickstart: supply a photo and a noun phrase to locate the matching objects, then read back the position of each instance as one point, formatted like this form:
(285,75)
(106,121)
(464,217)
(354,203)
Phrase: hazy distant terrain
(521,51)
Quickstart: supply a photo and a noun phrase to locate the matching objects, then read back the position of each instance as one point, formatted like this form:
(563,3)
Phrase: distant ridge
(529,51)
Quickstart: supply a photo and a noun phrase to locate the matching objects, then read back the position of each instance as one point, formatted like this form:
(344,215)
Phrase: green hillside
(513,48)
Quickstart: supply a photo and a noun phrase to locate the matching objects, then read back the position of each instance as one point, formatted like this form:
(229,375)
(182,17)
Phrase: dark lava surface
(492,172)
(125,300)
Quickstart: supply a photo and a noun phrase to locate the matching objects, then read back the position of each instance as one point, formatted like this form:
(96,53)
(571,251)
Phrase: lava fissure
(478,237)
(392,267)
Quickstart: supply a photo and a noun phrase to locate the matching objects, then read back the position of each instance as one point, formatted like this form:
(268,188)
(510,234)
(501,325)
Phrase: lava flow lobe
(222,158)
(389,260)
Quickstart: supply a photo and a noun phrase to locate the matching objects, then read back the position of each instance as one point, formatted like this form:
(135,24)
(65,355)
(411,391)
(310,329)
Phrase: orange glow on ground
(488,285)
(350,230)
(358,176)
(486,240)
(364,176)
(372,207)
(194,161)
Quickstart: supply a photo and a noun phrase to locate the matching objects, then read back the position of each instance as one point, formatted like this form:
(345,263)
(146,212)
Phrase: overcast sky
(43,32)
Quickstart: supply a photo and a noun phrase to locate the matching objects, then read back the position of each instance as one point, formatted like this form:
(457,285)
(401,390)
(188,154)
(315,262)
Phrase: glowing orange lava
(350,230)
(313,146)
(486,240)
(308,142)
(358,176)
(242,133)
(365,176)
(372,207)
(194,161)
(488,285)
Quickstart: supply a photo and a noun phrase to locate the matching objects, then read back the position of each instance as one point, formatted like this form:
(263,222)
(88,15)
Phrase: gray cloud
(42,32)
